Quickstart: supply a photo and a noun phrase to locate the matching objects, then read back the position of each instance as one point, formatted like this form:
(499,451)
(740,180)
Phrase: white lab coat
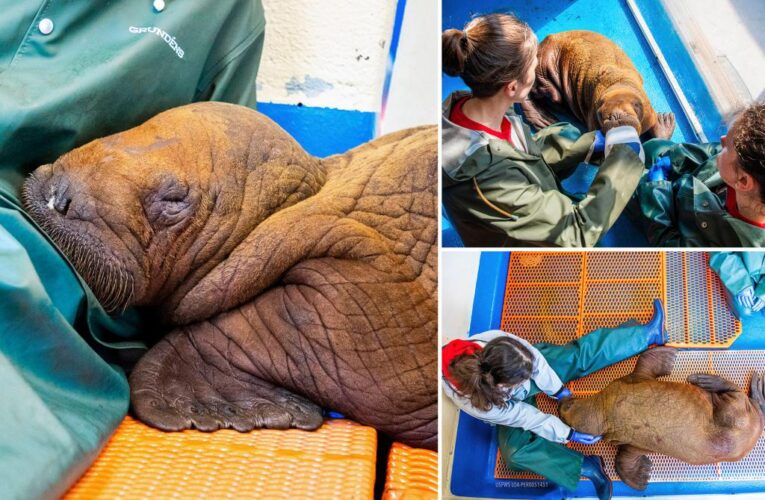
(517,413)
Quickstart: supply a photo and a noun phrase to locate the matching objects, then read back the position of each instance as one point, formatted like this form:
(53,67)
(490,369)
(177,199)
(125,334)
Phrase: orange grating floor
(336,461)
(412,474)
(560,296)
(736,366)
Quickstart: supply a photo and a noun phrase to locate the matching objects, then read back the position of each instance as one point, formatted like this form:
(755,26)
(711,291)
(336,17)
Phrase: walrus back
(674,419)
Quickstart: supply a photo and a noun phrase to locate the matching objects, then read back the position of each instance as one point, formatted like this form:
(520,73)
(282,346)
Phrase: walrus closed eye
(588,75)
(288,283)
(706,421)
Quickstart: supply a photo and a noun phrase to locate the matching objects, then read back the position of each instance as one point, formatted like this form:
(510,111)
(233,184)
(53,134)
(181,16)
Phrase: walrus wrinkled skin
(289,282)
(588,75)
(706,421)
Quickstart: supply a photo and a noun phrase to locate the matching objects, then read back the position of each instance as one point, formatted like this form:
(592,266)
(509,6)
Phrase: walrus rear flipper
(633,467)
(758,390)
(712,383)
(536,113)
(191,380)
(655,362)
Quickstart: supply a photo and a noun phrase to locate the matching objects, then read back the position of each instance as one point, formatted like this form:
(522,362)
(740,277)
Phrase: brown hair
(504,360)
(489,52)
(748,138)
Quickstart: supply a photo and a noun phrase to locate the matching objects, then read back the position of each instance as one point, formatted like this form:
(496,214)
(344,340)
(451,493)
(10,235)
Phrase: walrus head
(625,105)
(144,214)
(577,413)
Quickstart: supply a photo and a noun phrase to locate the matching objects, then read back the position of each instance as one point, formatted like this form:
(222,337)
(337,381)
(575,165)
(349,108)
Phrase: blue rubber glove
(745,298)
(660,169)
(581,437)
(331,414)
(562,394)
(600,142)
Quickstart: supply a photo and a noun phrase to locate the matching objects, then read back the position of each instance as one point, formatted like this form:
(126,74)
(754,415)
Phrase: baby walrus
(588,75)
(288,282)
(708,421)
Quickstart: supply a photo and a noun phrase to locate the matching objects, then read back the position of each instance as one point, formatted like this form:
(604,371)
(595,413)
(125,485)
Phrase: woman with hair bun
(501,184)
(494,376)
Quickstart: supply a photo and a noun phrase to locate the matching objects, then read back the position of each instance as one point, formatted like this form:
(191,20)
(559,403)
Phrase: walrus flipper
(656,362)
(536,113)
(185,382)
(633,467)
(663,128)
(758,390)
(712,383)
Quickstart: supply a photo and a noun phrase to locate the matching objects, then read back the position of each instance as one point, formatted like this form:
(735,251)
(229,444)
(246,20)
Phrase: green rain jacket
(688,209)
(497,195)
(72,71)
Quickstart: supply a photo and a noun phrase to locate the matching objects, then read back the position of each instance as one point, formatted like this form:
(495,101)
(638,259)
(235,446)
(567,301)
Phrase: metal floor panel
(559,296)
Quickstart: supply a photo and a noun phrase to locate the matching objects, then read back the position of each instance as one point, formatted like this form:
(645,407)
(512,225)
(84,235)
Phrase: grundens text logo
(169,40)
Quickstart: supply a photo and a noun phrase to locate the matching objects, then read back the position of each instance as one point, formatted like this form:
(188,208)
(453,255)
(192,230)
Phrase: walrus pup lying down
(289,282)
(589,76)
(708,421)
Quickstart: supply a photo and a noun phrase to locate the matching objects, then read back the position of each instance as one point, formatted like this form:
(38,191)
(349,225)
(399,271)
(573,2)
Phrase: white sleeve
(516,414)
(525,416)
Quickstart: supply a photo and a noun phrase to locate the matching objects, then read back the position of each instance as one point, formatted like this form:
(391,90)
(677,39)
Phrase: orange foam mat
(559,296)
(412,474)
(736,366)
(336,461)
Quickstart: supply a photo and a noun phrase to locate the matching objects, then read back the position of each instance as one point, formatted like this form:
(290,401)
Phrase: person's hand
(581,437)
(562,394)
(660,169)
(746,298)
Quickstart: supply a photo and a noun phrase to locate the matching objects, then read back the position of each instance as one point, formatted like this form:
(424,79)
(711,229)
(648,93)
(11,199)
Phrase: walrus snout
(57,198)
(47,192)
(622,106)
(620,119)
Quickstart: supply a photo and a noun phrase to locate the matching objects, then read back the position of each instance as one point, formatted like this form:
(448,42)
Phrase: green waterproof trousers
(524,450)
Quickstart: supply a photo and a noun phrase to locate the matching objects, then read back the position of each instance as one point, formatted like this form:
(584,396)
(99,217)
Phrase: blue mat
(322,131)
(475,447)
(552,16)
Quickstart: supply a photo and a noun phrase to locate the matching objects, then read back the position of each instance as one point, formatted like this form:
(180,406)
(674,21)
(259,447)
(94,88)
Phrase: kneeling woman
(501,185)
(495,375)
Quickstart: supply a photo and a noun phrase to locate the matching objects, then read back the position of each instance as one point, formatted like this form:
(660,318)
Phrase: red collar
(453,349)
(732,206)
(458,117)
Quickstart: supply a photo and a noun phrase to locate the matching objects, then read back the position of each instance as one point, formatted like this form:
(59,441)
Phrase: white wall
(329,54)
(334,54)
(459,271)
(413,99)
